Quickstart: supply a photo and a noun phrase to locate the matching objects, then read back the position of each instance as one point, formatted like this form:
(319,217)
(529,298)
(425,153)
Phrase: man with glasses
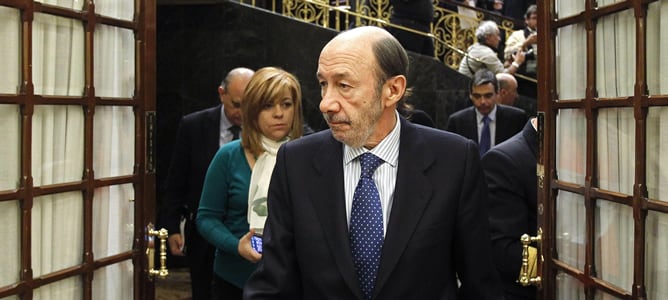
(486,122)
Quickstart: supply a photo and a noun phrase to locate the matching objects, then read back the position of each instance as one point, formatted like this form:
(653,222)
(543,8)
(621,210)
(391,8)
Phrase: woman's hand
(245,249)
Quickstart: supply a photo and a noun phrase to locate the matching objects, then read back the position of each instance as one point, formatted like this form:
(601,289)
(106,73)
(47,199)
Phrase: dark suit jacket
(197,140)
(509,121)
(510,172)
(437,227)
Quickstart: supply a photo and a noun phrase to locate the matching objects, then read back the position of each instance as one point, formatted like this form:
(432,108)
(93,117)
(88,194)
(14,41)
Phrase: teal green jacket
(222,213)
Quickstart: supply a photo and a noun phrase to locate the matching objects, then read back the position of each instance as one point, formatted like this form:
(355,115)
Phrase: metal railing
(452,31)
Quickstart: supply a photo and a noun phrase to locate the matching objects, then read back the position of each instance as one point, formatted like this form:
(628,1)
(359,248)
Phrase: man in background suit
(198,137)
(429,201)
(510,173)
(503,121)
(507,89)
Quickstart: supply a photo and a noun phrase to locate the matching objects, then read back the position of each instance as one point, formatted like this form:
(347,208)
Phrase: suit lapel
(327,194)
(412,194)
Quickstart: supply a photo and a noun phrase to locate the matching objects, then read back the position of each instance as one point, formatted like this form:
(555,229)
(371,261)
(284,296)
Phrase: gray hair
(484,29)
(391,58)
(533,9)
(484,76)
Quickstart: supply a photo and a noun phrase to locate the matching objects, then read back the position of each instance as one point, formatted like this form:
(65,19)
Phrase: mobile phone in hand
(256,243)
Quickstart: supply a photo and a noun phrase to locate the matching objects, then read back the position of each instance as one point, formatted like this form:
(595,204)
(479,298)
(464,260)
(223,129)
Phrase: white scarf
(259,184)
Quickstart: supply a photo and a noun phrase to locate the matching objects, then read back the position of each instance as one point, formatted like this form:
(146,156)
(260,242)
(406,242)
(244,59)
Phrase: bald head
(243,74)
(231,91)
(384,53)
(507,88)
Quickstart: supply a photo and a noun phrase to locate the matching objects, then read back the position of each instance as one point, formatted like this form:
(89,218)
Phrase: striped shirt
(385,176)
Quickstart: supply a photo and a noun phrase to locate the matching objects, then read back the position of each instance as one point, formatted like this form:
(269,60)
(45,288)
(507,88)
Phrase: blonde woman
(271,114)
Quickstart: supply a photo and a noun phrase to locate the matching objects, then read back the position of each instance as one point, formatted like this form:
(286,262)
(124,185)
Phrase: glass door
(603,85)
(75,121)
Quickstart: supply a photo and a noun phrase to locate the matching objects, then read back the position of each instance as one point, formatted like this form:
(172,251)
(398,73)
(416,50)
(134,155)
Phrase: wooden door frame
(143,102)
(549,184)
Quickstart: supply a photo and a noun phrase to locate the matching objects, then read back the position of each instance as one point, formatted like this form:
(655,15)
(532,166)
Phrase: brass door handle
(150,252)
(525,278)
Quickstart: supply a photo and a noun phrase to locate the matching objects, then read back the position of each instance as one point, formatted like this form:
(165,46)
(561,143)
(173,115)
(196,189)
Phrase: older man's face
(231,97)
(350,101)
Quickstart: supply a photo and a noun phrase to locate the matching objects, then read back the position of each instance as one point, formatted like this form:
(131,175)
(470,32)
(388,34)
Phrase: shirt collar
(386,149)
(491,115)
(224,121)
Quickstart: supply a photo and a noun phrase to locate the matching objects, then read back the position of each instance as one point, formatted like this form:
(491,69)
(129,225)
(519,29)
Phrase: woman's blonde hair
(265,87)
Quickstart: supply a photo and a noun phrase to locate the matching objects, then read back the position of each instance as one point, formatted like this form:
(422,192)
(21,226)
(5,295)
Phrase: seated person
(482,55)
(525,40)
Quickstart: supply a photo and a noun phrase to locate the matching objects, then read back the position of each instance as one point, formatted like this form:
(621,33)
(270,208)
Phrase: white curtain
(571,61)
(113,206)
(10,37)
(114,282)
(58,147)
(114,62)
(614,225)
(58,56)
(113,141)
(616,54)
(565,8)
(568,287)
(57,153)
(121,9)
(656,234)
(74,4)
(10,214)
(570,223)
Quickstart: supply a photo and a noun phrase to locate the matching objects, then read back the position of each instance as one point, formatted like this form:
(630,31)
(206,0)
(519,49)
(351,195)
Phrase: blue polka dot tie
(366,225)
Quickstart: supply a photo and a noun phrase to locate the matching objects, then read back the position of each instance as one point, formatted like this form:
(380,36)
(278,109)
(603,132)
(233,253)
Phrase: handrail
(448,25)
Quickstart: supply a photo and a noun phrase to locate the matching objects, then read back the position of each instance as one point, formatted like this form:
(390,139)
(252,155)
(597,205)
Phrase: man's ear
(394,89)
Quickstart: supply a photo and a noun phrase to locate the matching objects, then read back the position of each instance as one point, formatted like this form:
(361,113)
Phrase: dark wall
(198,44)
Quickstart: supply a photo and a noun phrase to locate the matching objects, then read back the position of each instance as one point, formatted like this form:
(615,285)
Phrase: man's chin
(347,139)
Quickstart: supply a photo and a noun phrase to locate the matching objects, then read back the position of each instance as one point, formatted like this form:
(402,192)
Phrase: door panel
(113,215)
(56,232)
(114,281)
(604,91)
(75,194)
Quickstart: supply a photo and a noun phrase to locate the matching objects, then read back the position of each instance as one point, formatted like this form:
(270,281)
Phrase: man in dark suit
(198,137)
(425,224)
(510,172)
(502,121)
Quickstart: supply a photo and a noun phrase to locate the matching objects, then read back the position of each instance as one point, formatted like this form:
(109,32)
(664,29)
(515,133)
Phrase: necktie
(234,129)
(366,225)
(484,136)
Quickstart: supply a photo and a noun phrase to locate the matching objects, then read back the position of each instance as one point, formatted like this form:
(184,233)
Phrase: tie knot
(369,164)
(486,119)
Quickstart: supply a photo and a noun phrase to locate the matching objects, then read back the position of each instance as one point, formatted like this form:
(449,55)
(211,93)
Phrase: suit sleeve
(475,268)
(277,275)
(508,212)
(452,126)
(177,180)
